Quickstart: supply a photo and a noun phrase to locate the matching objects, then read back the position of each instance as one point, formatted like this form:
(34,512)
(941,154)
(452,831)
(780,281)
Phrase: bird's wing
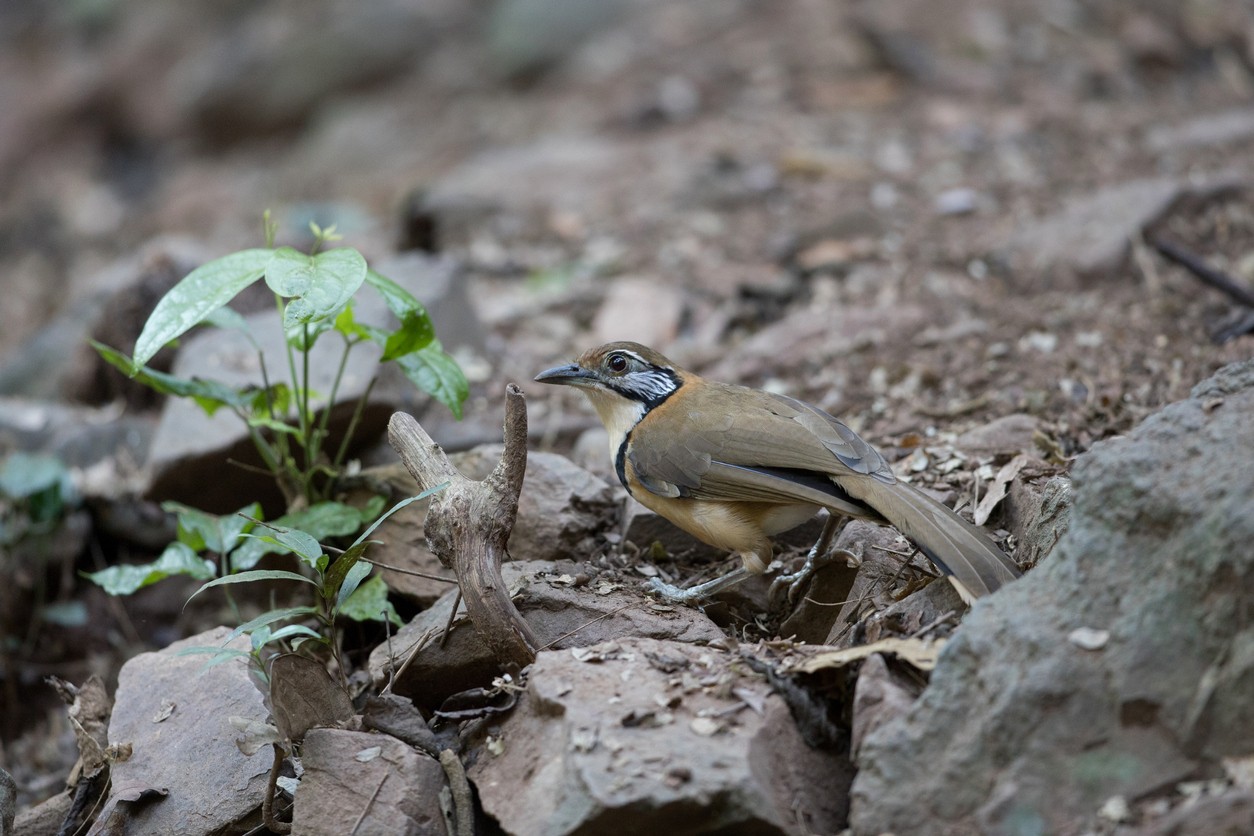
(808,457)
(771,448)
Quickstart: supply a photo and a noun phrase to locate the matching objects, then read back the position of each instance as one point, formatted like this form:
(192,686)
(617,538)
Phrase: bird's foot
(786,589)
(698,594)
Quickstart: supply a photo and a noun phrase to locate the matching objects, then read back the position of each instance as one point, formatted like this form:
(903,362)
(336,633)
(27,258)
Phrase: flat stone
(1003,437)
(642,309)
(191,752)
(565,606)
(1089,235)
(366,784)
(638,735)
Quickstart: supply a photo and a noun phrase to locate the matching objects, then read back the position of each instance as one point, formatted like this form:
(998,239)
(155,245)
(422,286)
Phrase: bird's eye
(616,363)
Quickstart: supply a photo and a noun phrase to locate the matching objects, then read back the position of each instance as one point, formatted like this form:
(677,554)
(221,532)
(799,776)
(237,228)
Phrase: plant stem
(324,421)
(358,411)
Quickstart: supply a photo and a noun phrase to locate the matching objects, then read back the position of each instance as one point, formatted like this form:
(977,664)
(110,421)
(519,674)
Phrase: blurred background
(922,215)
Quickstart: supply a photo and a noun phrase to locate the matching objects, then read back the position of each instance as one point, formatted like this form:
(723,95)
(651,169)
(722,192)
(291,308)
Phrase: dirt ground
(922,216)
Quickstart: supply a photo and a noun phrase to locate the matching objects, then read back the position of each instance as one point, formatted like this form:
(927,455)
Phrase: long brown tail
(959,549)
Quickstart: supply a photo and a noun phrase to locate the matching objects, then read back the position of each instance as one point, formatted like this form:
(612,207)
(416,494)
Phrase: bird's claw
(786,589)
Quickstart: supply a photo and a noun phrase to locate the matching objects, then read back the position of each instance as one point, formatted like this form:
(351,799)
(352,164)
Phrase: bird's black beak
(571,374)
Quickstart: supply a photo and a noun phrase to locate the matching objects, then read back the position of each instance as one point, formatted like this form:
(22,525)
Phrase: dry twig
(470,522)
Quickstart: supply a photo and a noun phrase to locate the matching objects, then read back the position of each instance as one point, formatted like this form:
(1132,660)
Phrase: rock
(564,510)
(1037,514)
(565,607)
(1022,728)
(871,590)
(641,309)
(1002,438)
(638,735)
(816,611)
(191,752)
(43,819)
(8,803)
(526,37)
(563,513)
(1228,813)
(1089,235)
(817,332)
(307,59)
(880,695)
(357,782)
(1229,126)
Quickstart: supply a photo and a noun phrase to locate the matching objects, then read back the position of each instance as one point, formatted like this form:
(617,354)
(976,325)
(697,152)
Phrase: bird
(733,466)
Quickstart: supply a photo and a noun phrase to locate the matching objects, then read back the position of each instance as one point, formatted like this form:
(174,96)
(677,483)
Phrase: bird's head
(623,380)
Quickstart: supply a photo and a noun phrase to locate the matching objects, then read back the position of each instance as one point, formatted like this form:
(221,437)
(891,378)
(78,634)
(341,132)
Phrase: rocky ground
(976,232)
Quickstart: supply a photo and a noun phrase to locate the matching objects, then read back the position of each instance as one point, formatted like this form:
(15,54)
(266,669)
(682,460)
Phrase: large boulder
(639,736)
(1121,666)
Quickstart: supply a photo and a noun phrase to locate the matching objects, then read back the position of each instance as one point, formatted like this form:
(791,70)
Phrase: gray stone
(563,514)
(1229,126)
(1026,727)
(565,606)
(640,308)
(1090,234)
(528,36)
(873,587)
(638,735)
(8,803)
(1002,437)
(306,59)
(191,752)
(362,783)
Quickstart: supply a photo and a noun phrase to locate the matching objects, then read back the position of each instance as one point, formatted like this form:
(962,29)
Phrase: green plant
(35,493)
(314,294)
(340,584)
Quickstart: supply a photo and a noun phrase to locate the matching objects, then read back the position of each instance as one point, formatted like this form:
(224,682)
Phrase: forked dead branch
(470,522)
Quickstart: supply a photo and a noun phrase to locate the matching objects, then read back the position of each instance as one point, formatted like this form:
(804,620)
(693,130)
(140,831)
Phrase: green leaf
(322,284)
(398,506)
(302,335)
(322,520)
(177,559)
(269,402)
(208,394)
(347,324)
(254,575)
(415,332)
(437,374)
(200,530)
(289,272)
(300,543)
(344,576)
(273,425)
(268,618)
(325,520)
(295,630)
(370,603)
(337,582)
(41,483)
(218,654)
(229,319)
(399,300)
(27,474)
(199,294)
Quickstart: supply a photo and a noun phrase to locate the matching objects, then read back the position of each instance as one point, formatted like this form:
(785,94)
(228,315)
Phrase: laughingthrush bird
(734,466)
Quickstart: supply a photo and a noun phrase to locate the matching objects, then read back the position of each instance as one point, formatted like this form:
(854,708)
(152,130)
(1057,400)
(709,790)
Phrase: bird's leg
(819,556)
(699,593)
